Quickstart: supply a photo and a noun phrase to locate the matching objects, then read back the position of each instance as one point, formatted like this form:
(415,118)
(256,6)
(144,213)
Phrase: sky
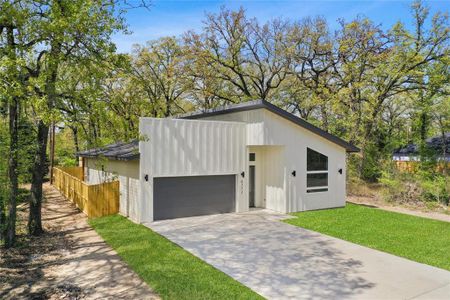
(174,17)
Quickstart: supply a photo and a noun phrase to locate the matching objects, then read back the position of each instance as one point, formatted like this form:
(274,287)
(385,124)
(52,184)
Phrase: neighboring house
(223,160)
(411,153)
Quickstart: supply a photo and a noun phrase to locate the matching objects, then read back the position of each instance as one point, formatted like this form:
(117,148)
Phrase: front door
(251,189)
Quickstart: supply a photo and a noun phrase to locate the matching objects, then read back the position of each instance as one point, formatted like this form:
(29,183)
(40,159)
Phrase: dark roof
(118,151)
(433,143)
(245,106)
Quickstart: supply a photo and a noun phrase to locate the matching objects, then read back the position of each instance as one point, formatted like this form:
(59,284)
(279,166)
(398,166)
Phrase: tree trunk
(12,172)
(423,126)
(13,155)
(39,171)
(444,149)
(75,140)
(40,167)
(2,218)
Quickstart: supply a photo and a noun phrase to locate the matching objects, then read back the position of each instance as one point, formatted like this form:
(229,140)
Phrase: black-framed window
(252,157)
(316,161)
(317,179)
(316,171)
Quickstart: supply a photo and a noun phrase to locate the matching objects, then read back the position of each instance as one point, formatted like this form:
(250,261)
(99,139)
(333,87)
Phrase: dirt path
(399,209)
(70,261)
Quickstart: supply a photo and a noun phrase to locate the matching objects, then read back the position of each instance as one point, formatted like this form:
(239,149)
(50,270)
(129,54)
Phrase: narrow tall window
(316,171)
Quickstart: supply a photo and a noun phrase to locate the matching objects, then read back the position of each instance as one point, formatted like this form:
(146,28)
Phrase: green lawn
(419,239)
(171,271)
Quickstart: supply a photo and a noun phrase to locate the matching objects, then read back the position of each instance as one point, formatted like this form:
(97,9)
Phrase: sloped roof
(251,105)
(434,143)
(118,151)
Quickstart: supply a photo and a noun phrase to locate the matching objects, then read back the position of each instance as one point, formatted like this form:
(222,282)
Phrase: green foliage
(426,185)
(435,188)
(397,188)
(419,239)
(26,150)
(371,168)
(65,149)
(171,271)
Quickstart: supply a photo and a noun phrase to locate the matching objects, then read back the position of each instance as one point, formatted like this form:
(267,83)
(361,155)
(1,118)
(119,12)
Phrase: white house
(229,159)
(439,146)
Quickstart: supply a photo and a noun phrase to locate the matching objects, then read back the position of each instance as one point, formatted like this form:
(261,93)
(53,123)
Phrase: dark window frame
(316,168)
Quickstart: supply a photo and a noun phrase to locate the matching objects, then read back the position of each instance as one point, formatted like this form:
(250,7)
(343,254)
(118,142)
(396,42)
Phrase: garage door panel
(176,197)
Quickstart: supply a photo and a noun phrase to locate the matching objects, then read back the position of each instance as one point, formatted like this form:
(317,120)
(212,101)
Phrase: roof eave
(133,157)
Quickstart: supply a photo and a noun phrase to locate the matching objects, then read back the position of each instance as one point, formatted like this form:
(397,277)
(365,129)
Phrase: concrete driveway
(281,261)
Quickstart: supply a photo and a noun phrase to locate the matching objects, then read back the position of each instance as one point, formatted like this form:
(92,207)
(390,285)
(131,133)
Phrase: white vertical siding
(174,147)
(288,193)
(189,147)
(275,178)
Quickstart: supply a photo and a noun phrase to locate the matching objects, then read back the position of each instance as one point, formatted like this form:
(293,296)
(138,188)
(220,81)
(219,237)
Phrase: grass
(168,269)
(423,240)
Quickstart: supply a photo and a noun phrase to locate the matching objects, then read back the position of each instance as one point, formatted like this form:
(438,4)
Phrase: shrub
(435,189)
(421,186)
(398,188)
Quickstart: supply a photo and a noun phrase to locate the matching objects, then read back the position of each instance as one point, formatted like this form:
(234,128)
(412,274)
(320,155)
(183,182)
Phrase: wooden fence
(413,166)
(76,172)
(95,200)
(407,166)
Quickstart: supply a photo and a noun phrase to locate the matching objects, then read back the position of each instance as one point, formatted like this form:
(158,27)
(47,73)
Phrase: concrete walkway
(281,261)
(89,262)
(75,263)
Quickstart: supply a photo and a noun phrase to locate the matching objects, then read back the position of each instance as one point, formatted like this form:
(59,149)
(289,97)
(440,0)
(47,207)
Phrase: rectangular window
(316,171)
(317,179)
(252,157)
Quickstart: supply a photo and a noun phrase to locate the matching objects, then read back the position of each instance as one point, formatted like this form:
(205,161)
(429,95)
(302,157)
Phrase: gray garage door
(176,197)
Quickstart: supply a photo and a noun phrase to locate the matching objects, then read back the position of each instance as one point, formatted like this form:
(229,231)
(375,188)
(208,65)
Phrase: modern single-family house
(228,159)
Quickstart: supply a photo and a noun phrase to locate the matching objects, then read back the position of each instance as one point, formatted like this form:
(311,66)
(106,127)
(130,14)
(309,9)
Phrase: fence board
(95,200)
(76,172)
(413,166)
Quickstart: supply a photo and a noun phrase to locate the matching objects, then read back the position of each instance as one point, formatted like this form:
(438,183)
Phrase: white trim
(316,172)
(317,187)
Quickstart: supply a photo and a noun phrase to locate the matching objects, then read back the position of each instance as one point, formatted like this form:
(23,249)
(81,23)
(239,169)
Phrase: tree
(246,56)
(48,35)
(158,69)
(89,40)
(312,60)
(14,42)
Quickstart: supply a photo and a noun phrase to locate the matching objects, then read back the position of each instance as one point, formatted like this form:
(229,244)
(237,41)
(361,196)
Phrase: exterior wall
(127,172)
(270,177)
(268,129)
(174,147)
